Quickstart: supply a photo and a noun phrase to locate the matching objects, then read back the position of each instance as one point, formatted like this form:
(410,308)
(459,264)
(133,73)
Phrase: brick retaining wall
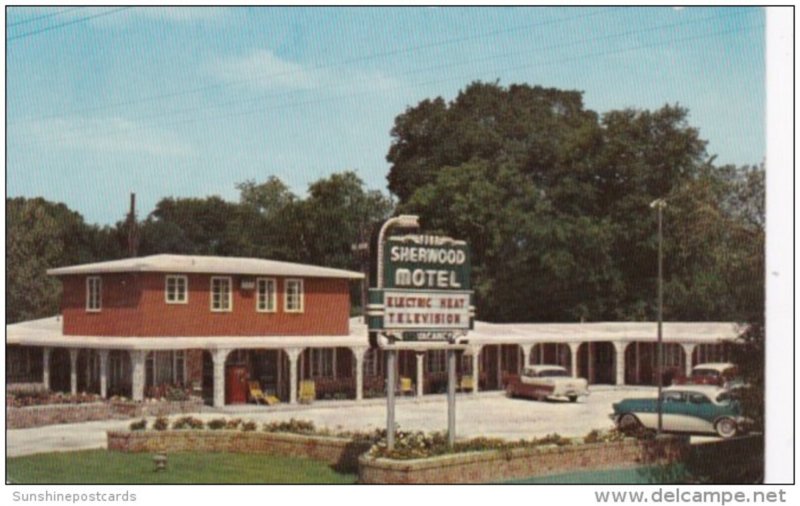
(339,452)
(50,414)
(495,466)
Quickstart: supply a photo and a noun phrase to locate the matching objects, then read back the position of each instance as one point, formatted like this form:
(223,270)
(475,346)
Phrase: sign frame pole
(451,397)
(391,381)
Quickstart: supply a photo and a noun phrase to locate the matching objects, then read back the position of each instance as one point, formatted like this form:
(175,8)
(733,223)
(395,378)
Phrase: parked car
(723,374)
(546,382)
(692,409)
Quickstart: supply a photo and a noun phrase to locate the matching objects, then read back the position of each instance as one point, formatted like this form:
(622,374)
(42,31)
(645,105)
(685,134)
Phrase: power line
(192,109)
(358,59)
(44,16)
(438,81)
(68,23)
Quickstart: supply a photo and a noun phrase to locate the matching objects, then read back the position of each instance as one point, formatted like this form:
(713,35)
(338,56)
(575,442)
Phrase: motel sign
(426,292)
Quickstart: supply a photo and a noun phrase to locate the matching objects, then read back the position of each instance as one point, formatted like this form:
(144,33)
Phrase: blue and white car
(691,409)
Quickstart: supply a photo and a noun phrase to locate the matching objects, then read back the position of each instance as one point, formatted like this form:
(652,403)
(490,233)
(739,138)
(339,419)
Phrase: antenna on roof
(133,229)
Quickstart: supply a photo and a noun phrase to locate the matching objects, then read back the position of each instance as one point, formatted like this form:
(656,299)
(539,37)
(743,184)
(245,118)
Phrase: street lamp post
(659,204)
(405,221)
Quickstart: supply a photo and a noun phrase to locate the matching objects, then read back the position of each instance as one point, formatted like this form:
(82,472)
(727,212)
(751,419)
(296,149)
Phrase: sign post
(421,299)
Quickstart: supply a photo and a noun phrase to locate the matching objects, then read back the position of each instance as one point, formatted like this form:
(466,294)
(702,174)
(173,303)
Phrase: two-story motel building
(132,327)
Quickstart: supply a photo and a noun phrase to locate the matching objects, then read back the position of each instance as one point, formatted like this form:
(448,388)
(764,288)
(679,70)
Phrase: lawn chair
(308,391)
(256,393)
(406,387)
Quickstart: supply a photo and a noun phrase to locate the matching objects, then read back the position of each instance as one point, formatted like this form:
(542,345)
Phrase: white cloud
(105,135)
(261,69)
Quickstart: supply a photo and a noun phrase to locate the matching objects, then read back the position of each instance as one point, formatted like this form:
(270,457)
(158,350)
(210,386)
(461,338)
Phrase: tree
(554,201)
(43,235)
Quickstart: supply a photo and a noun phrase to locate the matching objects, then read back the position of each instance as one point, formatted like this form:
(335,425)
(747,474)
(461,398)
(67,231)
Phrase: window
(323,362)
(176,290)
(221,297)
(372,362)
(165,368)
(294,296)
(94,293)
(437,361)
(266,291)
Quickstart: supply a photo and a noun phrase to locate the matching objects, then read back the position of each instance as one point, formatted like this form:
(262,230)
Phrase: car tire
(572,398)
(726,428)
(629,424)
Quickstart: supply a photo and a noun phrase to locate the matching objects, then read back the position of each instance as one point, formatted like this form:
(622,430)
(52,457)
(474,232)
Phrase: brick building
(136,326)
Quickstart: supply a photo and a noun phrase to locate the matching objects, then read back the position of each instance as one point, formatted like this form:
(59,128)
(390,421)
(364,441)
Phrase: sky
(188,102)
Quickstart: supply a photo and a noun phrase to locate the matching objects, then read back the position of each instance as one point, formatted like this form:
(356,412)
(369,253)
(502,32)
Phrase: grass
(104,467)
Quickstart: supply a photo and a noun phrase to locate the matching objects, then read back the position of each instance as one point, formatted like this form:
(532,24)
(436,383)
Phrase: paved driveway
(485,414)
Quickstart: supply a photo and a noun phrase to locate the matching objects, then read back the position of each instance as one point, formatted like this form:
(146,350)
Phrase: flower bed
(293,438)
(86,408)
(21,399)
(527,459)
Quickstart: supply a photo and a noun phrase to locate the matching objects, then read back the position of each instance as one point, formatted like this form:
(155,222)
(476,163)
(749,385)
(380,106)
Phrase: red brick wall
(133,305)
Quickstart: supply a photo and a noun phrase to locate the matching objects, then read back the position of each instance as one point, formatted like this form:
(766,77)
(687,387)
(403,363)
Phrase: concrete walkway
(486,414)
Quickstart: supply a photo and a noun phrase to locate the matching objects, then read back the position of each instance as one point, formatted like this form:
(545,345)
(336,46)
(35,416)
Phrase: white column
(500,366)
(293,354)
(103,354)
(358,353)
(573,352)
(73,371)
(219,356)
(688,349)
(420,374)
(619,361)
(476,354)
(46,367)
(137,374)
(526,352)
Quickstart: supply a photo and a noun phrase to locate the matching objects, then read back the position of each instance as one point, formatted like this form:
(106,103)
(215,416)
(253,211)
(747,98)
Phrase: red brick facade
(133,304)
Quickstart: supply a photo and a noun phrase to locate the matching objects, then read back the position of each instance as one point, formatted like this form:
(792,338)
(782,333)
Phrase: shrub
(233,424)
(597,436)
(176,394)
(161,423)
(413,445)
(187,422)
(140,425)
(216,424)
(293,426)
(249,426)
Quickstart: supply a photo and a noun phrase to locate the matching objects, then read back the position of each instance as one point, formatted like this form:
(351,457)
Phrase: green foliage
(554,201)
(418,444)
(140,425)
(217,424)
(43,235)
(249,426)
(187,422)
(161,423)
(294,426)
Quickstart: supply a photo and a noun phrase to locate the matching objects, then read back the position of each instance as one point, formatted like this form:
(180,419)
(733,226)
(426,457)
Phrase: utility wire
(557,61)
(68,23)
(44,16)
(358,59)
(188,110)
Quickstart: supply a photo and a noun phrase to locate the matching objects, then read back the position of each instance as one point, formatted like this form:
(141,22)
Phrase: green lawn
(101,466)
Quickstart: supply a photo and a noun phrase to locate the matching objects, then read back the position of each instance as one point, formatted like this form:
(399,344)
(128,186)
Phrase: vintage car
(691,409)
(546,382)
(723,374)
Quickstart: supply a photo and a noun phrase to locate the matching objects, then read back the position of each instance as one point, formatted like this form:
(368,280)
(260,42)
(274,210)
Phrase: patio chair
(466,384)
(256,393)
(406,387)
(308,391)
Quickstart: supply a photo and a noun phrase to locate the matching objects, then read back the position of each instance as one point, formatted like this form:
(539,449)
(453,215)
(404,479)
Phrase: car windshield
(550,373)
(724,398)
(712,373)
